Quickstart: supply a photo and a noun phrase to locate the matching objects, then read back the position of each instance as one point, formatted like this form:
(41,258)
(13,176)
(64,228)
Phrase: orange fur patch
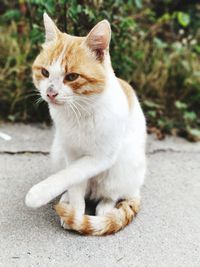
(65,213)
(77,58)
(112,223)
(111,226)
(86,227)
(56,50)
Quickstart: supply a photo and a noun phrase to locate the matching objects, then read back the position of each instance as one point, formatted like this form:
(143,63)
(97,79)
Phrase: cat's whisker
(39,101)
(65,99)
(71,106)
(91,100)
(85,101)
(33,93)
(74,105)
(77,103)
(67,109)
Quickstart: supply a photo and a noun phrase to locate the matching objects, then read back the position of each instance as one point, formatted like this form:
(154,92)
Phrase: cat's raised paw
(34,198)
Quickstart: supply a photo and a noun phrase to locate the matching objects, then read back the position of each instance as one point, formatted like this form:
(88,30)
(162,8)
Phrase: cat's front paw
(64,199)
(35,197)
(64,225)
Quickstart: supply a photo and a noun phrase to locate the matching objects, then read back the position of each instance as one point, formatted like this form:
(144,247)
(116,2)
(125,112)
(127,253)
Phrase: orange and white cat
(100,132)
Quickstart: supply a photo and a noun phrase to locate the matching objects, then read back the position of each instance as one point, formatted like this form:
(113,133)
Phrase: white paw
(36,197)
(104,207)
(64,199)
(64,225)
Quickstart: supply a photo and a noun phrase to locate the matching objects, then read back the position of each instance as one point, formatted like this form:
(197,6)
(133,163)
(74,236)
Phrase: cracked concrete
(23,152)
(165,233)
(32,138)
(37,138)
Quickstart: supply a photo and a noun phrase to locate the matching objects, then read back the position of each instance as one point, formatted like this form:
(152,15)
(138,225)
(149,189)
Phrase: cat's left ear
(98,39)
(51,30)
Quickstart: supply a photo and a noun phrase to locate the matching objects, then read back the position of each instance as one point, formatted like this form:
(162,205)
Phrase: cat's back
(128,91)
(136,124)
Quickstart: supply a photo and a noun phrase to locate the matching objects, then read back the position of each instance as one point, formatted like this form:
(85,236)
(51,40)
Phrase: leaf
(36,35)
(180,105)
(159,43)
(138,54)
(151,104)
(12,118)
(152,113)
(183,19)
(127,23)
(177,46)
(185,65)
(190,116)
(138,3)
(194,132)
(12,14)
(197,48)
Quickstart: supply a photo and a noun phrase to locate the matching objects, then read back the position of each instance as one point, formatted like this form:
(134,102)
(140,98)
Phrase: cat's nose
(51,93)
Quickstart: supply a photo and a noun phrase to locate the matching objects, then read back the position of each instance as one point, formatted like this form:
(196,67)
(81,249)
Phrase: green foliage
(155,46)
(183,19)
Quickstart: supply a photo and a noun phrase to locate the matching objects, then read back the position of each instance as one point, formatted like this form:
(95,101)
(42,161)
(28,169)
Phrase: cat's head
(69,66)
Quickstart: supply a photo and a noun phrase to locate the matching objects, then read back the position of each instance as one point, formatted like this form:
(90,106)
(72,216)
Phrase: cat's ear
(98,39)
(51,30)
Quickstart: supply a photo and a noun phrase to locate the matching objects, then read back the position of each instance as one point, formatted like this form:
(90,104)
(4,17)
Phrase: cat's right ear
(51,30)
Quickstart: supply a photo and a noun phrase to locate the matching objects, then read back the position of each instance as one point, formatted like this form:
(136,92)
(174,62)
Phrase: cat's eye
(71,77)
(45,72)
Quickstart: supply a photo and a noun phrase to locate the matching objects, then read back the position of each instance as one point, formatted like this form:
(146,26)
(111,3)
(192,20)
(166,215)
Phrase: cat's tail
(110,223)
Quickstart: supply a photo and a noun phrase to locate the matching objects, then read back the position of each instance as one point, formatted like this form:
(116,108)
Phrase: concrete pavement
(166,232)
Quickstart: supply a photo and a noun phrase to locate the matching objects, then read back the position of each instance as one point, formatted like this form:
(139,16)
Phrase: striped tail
(107,224)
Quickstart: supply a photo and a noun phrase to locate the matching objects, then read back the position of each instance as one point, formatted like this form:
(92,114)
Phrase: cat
(100,132)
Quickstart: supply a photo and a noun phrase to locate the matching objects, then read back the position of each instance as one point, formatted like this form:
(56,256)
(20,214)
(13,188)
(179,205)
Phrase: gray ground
(165,233)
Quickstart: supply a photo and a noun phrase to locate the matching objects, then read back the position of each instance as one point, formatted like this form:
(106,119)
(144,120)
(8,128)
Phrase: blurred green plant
(155,46)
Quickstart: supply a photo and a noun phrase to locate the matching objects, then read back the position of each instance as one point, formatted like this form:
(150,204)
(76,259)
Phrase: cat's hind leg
(105,206)
(75,196)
